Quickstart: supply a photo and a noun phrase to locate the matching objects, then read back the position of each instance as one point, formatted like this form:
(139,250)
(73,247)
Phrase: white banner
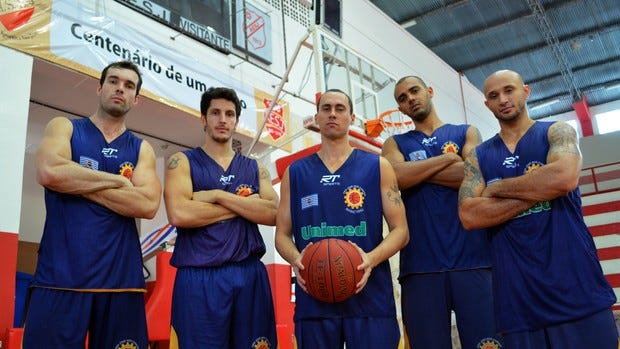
(93,40)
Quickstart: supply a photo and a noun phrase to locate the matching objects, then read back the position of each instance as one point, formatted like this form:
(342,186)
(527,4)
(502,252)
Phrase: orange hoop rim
(393,124)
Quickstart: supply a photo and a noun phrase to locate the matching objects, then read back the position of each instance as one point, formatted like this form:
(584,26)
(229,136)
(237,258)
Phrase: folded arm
(183,211)
(479,211)
(452,176)
(556,178)
(142,198)
(260,209)
(57,171)
(412,173)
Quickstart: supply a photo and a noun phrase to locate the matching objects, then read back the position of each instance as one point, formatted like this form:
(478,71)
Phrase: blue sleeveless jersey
(231,240)
(86,246)
(438,240)
(346,205)
(546,270)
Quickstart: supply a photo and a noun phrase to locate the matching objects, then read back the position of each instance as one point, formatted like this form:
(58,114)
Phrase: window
(332,16)
(205,20)
(608,122)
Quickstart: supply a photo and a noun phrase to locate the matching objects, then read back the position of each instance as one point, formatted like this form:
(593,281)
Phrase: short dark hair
(219,92)
(413,77)
(122,65)
(337,91)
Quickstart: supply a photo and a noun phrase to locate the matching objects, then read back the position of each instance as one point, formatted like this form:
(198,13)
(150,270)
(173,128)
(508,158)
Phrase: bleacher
(600,191)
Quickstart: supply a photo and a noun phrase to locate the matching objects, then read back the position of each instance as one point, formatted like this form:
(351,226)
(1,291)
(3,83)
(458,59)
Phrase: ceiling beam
(605,61)
(432,12)
(473,34)
(512,19)
(529,49)
(552,41)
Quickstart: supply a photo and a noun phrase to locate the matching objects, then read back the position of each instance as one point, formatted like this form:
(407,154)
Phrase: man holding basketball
(343,187)
(216,197)
(522,185)
(98,178)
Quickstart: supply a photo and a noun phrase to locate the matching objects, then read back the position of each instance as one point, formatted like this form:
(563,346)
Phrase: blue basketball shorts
(595,331)
(60,319)
(427,302)
(223,307)
(358,333)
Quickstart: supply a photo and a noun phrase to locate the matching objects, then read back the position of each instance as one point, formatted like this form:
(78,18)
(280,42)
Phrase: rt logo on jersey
(226,179)
(511,162)
(330,180)
(109,152)
(429,141)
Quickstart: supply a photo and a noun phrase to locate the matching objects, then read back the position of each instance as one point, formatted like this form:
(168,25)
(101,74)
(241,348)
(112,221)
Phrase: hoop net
(389,123)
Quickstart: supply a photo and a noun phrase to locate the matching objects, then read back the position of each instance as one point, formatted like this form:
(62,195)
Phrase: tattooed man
(216,197)
(342,192)
(522,185)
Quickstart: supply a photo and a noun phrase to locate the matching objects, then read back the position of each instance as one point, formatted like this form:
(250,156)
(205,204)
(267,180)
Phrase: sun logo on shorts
(354,197)
(126,170)
(532,166)
(127,344)
(450,147)
(261,343)
(244,190)
(489,343)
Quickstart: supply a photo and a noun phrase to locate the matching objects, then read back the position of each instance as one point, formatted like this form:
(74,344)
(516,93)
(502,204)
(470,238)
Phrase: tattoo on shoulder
(478,136)
(563,139)
(393,194)
(173,163)
(263,173)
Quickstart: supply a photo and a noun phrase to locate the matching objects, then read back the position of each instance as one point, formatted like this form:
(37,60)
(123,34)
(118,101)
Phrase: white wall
(384,43)
(597,149)
(15,70)
(376,36)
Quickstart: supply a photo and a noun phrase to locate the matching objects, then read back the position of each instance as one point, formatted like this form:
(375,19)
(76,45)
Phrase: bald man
(522,185)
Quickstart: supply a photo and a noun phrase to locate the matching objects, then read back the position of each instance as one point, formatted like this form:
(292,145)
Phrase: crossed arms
(445,169)
(188,209)
(482,206)
(139,197)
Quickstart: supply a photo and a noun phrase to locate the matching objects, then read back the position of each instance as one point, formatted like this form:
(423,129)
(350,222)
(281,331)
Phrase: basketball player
(98,178)
(522,185)
(445,268)
(216,197)
(342,186)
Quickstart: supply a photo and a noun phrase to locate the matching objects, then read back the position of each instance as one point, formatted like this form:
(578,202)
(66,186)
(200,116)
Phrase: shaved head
(506,96)
(503,74)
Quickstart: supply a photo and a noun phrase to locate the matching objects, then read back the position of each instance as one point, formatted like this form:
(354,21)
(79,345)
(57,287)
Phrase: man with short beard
(98,178)
(444,268)
(216,197)
(522,185)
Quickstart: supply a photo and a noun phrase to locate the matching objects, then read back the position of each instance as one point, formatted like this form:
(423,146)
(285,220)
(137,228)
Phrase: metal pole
(259,131)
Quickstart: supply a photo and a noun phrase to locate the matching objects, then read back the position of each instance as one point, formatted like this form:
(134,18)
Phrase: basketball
(331,270)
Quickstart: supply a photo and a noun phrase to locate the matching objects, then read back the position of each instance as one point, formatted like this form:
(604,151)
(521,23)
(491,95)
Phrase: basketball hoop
(388,123)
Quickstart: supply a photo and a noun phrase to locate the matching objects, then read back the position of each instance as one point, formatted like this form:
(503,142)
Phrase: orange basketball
(331,270)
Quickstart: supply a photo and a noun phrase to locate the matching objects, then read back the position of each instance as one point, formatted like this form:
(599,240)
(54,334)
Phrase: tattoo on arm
(263,173)
(393,194)
(173,163)
(473,178)
(563,139)
(465,192)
